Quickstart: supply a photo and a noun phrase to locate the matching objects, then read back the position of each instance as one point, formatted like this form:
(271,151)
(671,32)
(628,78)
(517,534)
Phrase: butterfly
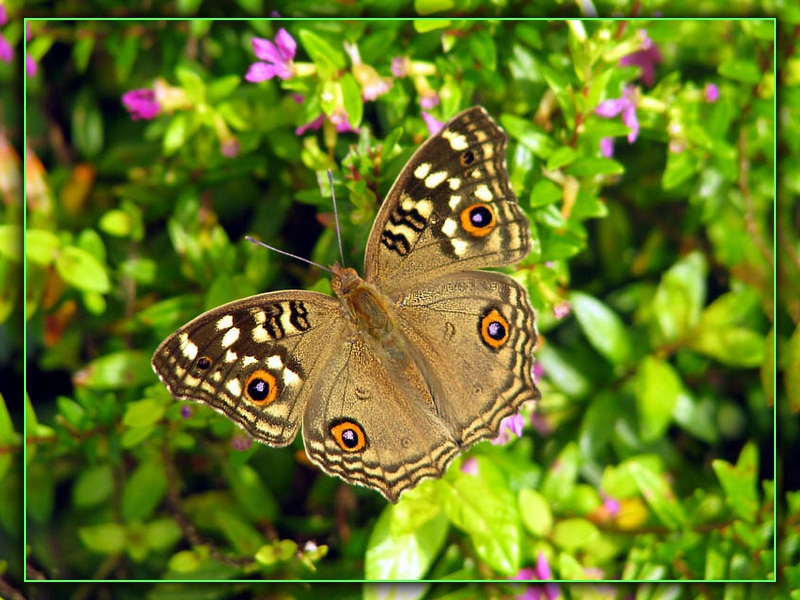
(409,365)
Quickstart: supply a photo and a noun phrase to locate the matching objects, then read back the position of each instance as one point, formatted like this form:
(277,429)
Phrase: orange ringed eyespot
(494,329)
(261,388)
(349,436)
(478,219)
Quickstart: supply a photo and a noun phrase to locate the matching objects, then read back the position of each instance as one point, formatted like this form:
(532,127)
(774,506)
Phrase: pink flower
(3,15)
(562,309)
(338,119)
(31,67)
(6,50)
(509,426)
(429,100)
(372,84)
(645,59)
(607,147)
(277,58)
(711,93)
(625,105)
(141,103)
(230,147)
(241,442)
(434,124)
(401,66)
(541,572)
(470,466)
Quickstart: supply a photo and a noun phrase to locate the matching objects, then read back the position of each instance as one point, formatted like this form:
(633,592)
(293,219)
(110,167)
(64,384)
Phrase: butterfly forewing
(451,208)
(252,360)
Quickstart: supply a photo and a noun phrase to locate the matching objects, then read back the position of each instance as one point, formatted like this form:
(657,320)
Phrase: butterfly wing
(473,335)
(451,208)
(252,359)
(370,420)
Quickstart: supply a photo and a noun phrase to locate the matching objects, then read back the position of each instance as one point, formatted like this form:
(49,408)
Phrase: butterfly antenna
(279,251)
(336,216)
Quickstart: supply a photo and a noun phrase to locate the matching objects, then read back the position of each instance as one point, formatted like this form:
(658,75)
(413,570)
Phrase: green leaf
(528,135)
(82,270)
(658,389)
(11,242)
(82,52)
(406,555)
(87,125)
(740,482)
(733,346)
(123,369)
(680,167)
(93,486)
(657,493)
(192,82)
(222,87)
(745,71)
(106,538)
(176,134)
(326,56)
(250,491)
(483,48)
(428,7)
(604,329)
(591,166)
(241,534)
(545,192)
(144,490)
(277,552)
(488,513)
(41,246)
(117,223)
(679,299)
(353,104)
(40,492)
(162,534)
(573,535)
(142,413)
(791,374)
(561,157)
(563,372)
(534,509)
(559,482)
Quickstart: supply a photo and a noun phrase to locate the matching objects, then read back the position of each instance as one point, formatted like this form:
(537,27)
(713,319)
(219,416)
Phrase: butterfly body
(410,364)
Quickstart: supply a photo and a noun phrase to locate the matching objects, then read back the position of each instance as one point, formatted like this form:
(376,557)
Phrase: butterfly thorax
(366,307)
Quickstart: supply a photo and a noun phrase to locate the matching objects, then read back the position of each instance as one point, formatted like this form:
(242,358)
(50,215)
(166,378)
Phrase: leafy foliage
(650,456)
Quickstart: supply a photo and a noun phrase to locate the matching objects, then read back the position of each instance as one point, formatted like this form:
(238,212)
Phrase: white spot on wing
(290,377)
(482,193)
(435,179)
(449,227)
(454,200)
(458,141)
(230,337)
(455,183)
(274,362)
(225,322)
(260,334)
(234,387)
(231,356)
(421,172)
(249,360)
(459,246)
(187,347)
